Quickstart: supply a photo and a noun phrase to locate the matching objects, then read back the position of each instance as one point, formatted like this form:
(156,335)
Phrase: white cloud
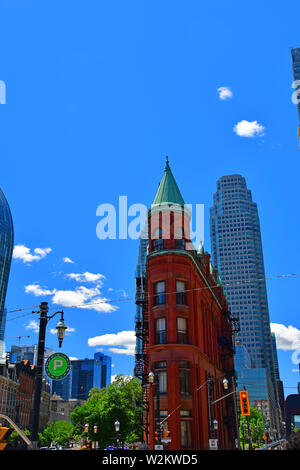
(248,129)
(287,338)
(224,92)
(85,298)
(128,351)
(125,339)
(67,260)
(81,297)
(73,358)
(86,277)
(37,290)
(23,253)
(123,292)
(33,325)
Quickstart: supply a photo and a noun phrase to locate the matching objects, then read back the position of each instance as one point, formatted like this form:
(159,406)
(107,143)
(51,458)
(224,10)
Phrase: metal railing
(274,445)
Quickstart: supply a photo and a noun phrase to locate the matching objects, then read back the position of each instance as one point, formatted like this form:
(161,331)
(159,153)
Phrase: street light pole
(210,410)
(235,415)
(39,375)
(154,380)
(61,327)
(157,409)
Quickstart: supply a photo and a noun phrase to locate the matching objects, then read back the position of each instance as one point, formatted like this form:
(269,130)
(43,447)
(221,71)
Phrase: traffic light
(156,436)
(244,401)
(4,433)
(167,434)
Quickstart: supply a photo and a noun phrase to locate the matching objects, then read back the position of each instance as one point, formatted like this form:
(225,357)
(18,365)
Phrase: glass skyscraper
(6,248)
(237,254)
(63,387)
(89,373)
(29,353)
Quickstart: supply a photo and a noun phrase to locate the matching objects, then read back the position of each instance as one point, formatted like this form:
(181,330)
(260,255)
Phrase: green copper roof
(168,191)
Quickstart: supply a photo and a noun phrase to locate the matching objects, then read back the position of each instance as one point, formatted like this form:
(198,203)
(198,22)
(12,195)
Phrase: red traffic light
(244,402)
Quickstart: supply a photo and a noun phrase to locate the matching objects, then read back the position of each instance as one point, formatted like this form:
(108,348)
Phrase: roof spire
(168,191)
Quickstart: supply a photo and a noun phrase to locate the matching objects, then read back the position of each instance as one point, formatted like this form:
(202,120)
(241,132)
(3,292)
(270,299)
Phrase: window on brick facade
(160,331)
(181,294)
(182,330)
(159,296)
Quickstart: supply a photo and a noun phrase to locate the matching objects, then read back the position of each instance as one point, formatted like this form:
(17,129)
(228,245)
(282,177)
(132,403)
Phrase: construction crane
(19,338)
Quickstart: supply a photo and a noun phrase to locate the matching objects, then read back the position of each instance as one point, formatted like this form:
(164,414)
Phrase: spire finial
(167,160)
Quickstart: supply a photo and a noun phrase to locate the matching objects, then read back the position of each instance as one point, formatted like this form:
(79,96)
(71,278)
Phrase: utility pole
(210,411)
(158,409)
(39,375)
(235,415)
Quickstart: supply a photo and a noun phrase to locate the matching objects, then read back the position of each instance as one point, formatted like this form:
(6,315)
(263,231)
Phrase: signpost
(158,447)
(213,444)
(57,366)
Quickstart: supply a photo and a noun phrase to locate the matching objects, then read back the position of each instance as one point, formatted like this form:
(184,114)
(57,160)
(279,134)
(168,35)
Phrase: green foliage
(15,437)
(58,432)
(256,425)
(120,401)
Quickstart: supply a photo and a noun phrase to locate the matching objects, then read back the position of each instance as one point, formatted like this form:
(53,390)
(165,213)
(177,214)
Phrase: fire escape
(142,333)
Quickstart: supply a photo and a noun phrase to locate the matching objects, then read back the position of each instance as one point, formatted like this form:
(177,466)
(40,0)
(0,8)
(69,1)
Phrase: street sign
(166,439)
(158,447)
(57,366)
(213,444)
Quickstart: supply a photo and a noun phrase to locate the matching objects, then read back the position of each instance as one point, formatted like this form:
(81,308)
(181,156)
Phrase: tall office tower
(29,353)
(6,248)
(2,331)
(257,381)
(237,254)
(277,376)
(296,73)
(89,373)
(63,388)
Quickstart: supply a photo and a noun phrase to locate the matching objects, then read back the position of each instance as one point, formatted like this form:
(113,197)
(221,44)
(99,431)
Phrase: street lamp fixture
(61,329)
(117,426)
(225,384)
(151,378)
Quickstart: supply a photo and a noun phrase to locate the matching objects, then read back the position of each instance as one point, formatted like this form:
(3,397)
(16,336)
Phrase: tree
(15,441)
(58,432)
(120,401)
(256,426)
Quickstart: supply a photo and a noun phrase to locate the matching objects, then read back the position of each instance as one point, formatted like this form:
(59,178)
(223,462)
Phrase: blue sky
(97,93)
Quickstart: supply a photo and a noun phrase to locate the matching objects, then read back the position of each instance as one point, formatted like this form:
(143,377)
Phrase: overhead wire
(126,299)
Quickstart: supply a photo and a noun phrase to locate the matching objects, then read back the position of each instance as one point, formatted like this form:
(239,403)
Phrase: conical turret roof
(168,191)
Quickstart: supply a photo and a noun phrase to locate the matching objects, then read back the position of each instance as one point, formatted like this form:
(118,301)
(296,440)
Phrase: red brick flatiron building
(188,344)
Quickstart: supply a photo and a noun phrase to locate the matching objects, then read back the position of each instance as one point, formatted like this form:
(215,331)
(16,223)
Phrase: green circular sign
(58,366)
